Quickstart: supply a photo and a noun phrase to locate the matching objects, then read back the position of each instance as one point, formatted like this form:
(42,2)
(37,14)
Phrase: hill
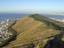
(34,29)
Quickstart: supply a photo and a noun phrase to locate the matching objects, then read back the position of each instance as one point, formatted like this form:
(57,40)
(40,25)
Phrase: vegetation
(34,29)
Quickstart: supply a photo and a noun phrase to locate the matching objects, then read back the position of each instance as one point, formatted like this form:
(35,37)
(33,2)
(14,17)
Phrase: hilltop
(34,29)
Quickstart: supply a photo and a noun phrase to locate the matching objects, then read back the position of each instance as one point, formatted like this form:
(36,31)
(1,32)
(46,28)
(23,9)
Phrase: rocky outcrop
(7,34)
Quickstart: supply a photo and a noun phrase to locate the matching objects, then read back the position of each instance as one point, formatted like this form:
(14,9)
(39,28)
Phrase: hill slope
(34,28)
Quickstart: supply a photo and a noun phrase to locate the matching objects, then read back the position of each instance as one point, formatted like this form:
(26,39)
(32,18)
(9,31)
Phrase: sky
(37,6)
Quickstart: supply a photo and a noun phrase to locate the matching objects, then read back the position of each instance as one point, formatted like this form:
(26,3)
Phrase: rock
(6,34)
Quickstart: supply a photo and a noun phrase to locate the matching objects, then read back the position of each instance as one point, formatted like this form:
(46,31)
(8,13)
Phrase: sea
(14,16)
(11,16)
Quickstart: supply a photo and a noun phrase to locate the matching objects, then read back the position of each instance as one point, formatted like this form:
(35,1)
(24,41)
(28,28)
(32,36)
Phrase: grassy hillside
(34,29)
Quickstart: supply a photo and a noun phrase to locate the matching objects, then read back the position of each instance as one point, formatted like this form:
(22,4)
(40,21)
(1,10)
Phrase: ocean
(12,16)
(60,17)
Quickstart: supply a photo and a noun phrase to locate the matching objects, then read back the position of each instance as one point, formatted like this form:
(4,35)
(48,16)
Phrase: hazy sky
(32,6)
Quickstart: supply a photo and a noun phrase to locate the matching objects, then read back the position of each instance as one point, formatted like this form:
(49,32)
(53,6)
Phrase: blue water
(56,16)
(11,16)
